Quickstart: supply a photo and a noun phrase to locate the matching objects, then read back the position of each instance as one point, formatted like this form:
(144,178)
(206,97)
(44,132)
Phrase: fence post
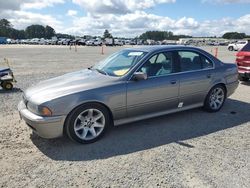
(216,52)
(102,50)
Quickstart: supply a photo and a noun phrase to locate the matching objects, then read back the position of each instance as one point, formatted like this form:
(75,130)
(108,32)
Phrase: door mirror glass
(139,76)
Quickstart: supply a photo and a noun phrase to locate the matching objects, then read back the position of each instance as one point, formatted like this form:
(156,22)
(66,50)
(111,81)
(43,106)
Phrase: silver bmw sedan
(130,85)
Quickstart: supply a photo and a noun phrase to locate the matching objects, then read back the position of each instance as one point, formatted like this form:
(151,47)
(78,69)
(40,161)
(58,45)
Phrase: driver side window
(159,65)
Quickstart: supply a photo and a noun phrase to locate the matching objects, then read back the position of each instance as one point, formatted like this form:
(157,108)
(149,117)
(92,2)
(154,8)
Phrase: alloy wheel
(216,98)
(89,124)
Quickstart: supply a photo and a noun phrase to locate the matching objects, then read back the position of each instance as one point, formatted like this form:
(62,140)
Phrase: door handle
(173,81)
(208,75)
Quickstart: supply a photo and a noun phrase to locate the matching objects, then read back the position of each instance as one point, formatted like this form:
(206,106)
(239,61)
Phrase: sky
(131,18)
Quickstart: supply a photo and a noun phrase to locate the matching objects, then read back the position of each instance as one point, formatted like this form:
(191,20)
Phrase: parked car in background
(118,42)
(82,42)
(130,85)
(90,42)
(109,41)
(3,40)
(243,62)
(98,42)
(236,46)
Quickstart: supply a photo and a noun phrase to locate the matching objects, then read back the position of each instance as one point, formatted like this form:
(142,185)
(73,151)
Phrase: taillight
(240,57)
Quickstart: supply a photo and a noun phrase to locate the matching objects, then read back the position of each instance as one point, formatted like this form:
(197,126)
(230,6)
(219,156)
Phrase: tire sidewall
(4,85)
(69,125)
(207,100)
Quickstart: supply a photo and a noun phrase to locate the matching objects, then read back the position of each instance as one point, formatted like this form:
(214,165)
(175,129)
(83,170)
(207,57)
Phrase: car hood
(66,84)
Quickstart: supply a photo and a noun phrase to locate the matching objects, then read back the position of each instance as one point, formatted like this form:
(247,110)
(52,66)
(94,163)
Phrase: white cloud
(27,4)
(21,19)
(117,6)
(131,24)
(16,12)
(39,4)
(134,24)
(121,18)
(10,5)
(71,13)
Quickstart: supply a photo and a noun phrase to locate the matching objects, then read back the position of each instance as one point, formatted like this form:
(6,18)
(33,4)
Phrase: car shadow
(246,83)
(14,90)
(125,139)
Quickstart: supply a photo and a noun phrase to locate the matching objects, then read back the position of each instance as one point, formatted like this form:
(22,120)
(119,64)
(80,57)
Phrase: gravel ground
(186,149)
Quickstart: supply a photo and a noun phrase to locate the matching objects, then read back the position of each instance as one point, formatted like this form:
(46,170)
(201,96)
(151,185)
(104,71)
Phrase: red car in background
(243,62)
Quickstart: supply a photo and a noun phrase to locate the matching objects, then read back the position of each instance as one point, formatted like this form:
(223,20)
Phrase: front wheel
(215,99)
(87,123)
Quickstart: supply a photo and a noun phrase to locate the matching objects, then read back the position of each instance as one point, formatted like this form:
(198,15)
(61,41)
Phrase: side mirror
(139,76)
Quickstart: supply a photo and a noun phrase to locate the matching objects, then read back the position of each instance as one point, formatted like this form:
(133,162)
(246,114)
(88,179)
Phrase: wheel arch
(221,84)
(86,103)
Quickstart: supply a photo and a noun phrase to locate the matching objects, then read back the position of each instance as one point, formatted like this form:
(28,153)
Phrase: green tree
(106,34)
(35,31)
(161,35)
(234,35)
(5,28)
(4,23)
(49,32)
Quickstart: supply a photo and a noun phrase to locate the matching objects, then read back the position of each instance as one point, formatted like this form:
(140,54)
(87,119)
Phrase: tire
(215,99)
(230,48)
(7,85)
(242,78)
(87,123)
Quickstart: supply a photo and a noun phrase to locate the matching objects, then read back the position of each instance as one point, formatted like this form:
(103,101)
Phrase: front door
(159,92)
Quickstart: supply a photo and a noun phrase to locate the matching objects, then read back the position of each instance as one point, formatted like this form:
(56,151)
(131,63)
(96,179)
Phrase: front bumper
(46,127)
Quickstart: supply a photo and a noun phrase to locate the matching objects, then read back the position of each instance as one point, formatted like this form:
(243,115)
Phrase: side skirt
(138,118)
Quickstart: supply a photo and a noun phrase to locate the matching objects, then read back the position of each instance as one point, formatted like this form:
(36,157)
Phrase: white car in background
(90,42)
(236,46)
(98,42)
(118,42)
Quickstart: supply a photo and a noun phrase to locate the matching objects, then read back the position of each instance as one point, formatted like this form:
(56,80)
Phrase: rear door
(195,77)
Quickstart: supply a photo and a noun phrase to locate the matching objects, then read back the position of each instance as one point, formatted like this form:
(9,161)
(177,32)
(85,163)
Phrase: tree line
(235,35)
(39,31)
(161,35)
(32,31)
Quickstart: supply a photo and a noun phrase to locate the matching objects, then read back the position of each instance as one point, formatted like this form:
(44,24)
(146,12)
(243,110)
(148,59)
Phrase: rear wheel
(87,123)
(7,85)
(215,99)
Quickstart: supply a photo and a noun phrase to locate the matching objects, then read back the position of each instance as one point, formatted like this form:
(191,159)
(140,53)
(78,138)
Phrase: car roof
(156,48)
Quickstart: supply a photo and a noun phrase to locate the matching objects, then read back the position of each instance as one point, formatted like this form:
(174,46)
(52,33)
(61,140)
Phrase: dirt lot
(187,149)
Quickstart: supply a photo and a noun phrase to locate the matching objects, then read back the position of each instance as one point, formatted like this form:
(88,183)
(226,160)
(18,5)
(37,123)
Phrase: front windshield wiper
(98,70)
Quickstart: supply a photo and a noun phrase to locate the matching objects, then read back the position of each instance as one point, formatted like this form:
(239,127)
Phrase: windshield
(119,63)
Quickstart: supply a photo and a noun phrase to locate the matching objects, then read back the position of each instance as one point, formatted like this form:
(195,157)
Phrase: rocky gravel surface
(187,149)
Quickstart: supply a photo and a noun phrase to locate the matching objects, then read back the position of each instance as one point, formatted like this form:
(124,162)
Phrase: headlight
(32,107)
(40,110)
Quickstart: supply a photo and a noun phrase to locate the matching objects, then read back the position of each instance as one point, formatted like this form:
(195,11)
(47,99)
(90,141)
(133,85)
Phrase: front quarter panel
(112,96)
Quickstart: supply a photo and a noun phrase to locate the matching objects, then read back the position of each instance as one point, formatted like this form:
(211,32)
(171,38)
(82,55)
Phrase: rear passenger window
(206,63)
(190,61)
